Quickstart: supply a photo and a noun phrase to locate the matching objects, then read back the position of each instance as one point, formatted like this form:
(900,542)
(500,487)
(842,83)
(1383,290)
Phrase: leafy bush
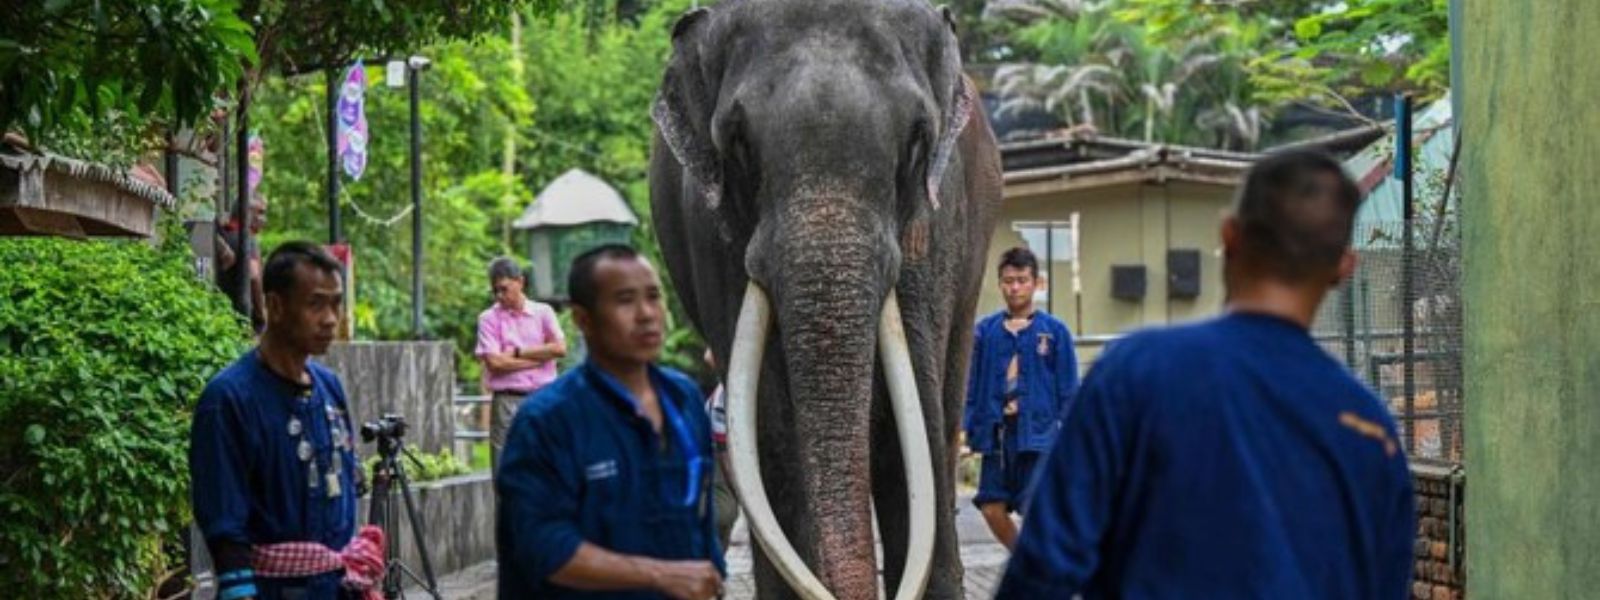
(421,466)
(104,347)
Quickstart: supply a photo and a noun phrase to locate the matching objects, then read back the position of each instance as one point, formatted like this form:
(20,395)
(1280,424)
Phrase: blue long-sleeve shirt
(248,483)
(1228,459)
(1047,375)
(582,465)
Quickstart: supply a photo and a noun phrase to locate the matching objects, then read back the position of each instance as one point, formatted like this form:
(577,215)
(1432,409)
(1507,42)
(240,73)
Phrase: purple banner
(353,121)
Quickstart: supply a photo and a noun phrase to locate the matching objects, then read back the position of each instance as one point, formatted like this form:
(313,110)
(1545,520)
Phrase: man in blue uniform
(605,483)
(1231,458)
(272,464)
(1021,380)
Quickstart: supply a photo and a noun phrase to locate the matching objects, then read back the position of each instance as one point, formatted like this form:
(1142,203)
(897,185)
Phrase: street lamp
(407,73)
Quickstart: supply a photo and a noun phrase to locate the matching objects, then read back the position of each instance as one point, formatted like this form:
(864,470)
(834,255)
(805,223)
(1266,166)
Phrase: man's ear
(274,308)
(581,318)
(1232,235)
(1347,266)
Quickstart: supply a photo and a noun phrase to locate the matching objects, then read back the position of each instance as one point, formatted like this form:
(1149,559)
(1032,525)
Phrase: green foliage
(1389,45)
(468,202)
(570,95)
(421,466)
(104,347)
(1162,70)
(89,77)
(1210,73)
(296,34)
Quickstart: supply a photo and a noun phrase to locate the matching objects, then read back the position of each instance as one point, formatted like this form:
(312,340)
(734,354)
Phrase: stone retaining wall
(1440,555)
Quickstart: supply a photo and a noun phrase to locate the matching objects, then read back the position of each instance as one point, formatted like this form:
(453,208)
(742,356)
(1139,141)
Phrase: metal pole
(334,234)
(241,209)
(412,76)
(1402,171)
(1050,264)
(1347,305)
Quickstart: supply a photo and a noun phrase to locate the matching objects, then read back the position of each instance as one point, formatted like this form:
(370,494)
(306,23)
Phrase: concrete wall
(457,516)
(414,379)
(1128,224)
(1531,212)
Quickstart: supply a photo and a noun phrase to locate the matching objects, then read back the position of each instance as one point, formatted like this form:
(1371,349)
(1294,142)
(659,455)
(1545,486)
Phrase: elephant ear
(682,110)
(957,111)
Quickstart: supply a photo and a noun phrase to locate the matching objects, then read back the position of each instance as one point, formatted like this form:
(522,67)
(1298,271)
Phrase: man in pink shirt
(519,341)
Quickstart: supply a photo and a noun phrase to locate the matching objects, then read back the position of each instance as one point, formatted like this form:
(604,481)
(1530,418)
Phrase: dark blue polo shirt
(582,465)
(248,482)
(1232,458)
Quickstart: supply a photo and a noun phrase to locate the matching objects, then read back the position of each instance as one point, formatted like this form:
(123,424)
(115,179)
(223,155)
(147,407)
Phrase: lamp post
(412,69)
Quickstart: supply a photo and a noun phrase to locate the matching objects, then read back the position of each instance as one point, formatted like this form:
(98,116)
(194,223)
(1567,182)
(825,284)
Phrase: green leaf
(1308,29)
(1377,73)
(34,434)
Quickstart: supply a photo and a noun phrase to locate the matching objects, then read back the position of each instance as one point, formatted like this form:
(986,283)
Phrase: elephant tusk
(744,377)
(912,427)
(744,369)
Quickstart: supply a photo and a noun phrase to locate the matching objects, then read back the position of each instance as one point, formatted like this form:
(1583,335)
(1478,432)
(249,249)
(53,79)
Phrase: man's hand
(686,580)
(1010,408)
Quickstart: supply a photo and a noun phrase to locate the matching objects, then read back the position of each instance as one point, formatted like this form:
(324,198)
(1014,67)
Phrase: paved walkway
(980,554)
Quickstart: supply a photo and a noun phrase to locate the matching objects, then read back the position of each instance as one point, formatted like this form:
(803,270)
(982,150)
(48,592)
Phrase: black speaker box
(1127,282)
(1183,273)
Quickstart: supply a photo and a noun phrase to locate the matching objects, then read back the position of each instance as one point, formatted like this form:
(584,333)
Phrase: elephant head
(819,135)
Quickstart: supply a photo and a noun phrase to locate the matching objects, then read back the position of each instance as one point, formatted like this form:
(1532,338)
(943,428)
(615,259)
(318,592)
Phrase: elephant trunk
(828,336)
(834,321)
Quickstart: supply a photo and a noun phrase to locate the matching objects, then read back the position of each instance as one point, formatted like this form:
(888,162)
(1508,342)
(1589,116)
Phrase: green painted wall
(1531,168)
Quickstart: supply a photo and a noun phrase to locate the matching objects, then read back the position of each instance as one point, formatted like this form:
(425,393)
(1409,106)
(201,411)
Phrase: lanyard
(680,432)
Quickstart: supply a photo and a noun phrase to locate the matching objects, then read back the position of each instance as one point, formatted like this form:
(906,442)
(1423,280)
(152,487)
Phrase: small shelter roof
(576,198)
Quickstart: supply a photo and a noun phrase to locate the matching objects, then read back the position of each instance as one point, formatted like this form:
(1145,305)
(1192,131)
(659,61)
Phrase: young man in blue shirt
(1231,458)
(605,483)
(272,461)
(1023,375)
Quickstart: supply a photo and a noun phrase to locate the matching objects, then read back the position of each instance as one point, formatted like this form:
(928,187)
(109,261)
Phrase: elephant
(823,185)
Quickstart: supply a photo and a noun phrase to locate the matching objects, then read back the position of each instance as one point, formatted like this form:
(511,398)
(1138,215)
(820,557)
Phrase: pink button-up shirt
(500,331)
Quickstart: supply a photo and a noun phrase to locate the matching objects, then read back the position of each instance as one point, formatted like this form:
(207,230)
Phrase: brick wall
(1439,509)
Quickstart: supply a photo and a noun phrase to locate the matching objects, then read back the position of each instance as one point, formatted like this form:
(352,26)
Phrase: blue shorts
(1008,484)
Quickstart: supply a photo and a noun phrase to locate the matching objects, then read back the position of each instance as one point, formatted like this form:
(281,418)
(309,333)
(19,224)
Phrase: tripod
(385,475)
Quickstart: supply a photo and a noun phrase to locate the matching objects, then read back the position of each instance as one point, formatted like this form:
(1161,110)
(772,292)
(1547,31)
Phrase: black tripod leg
(416,533)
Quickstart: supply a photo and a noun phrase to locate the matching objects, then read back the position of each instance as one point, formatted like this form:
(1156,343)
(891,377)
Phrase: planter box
(457,517)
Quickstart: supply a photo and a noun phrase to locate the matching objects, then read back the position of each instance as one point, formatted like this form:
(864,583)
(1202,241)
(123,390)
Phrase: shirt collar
(614,391)
(527,307)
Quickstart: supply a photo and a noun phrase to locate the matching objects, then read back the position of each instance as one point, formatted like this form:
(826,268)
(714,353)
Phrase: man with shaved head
(1231,458)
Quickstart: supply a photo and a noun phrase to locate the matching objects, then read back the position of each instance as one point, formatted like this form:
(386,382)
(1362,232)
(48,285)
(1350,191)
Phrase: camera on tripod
(388,427)
(389,481)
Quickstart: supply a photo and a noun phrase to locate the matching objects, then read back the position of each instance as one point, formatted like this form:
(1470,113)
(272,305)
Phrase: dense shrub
(104,347)
(422,467)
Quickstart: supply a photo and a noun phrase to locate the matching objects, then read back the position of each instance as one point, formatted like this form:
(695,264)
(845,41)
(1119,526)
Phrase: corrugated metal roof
(1373,167)
(576,198)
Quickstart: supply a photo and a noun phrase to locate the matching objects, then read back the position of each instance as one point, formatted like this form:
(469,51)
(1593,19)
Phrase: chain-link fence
(1413,363)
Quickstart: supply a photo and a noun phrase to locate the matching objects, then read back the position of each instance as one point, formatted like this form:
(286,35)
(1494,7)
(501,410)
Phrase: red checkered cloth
(361,559)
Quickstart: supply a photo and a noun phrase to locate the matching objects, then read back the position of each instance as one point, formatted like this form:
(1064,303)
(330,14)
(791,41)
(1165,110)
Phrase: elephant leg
(889,497)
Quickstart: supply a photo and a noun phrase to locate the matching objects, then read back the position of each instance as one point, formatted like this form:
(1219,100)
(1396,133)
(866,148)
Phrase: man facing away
(273,470)
(1023,375)
(519,341)
(604,486)
(1231,458)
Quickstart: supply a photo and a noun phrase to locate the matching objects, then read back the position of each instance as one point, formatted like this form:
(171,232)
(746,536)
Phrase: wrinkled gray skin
(797,143)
